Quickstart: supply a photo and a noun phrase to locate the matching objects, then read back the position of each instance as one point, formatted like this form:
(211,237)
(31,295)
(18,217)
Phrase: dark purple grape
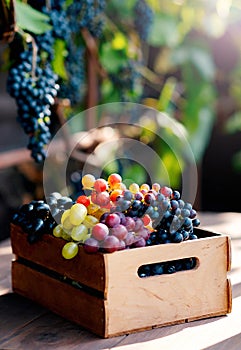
(128,195)
(177,237)
(176,195)
(157,269)
(196,222)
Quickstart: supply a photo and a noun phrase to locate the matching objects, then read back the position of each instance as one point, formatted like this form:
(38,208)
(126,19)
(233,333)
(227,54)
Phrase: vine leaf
(30,19)
(59,58)
(112,60)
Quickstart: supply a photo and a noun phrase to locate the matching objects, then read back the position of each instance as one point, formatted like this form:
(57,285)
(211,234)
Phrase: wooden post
(94,70)
(92,91)
(8,21)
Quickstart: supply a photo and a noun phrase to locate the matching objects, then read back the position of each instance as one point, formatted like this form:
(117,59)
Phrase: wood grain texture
(53,332)
(59,297)
(5,267)
(15,313)
(159,300)
(87,269)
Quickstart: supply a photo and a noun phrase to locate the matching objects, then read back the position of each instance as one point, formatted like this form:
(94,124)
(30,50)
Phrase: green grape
(134,188)
(90,221)
(70,250)
(78,213)
(65,215)
(79,233)
(67,225)
(57,231)
(66,235)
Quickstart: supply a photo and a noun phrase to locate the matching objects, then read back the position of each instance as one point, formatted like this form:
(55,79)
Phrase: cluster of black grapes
(35,219)
(143,18)
(167,267)
(173,219)
(35,90)
(60,29)
(58,204)
(34,93)
(126,80)
(74,87)
(87,14)
(39,217)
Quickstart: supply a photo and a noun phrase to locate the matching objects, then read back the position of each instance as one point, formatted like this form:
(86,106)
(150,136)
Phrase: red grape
(100,231)
(120,231)
(111,244)
(83,200)
(91,245)
(100,185)
(114,179)
(112,220)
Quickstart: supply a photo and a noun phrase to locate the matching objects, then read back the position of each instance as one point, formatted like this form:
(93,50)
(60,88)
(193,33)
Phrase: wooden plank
(14,157)
(5,267)
(67,301)
(53,332)
(166,299)
(16,312)
(87,269)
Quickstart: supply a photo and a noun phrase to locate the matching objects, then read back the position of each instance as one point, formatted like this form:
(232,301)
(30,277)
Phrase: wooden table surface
(26,325)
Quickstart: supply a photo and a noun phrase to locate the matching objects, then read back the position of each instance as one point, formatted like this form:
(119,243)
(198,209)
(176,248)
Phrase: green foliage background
(176,67)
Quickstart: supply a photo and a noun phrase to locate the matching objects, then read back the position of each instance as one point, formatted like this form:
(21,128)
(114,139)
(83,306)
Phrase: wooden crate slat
(86,268)
(61,298)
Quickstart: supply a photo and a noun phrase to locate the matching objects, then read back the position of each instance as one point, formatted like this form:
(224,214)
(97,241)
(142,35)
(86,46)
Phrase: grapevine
(38,79)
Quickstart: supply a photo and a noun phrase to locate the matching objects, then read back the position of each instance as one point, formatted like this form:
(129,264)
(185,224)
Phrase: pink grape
(144,233)
(102,198)
(122,245)
(129,240)
(111,244)
(138,224)
(130,223)
(120,231)
(100,231)
(91,245)
(166,191)
(112,220)
(140,242)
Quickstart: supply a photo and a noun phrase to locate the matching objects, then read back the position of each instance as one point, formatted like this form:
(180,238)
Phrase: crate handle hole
(167,267)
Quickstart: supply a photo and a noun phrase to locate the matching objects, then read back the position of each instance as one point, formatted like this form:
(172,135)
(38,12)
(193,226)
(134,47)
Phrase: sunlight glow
(222,328)
(223,8)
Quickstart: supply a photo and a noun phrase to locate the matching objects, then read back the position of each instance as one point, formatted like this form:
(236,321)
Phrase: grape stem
(28,38)
(34,58)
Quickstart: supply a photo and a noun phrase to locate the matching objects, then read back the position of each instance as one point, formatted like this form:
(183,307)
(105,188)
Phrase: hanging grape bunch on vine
(48,61)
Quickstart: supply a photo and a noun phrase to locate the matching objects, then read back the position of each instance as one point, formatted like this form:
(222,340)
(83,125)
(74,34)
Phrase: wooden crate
(109,298)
